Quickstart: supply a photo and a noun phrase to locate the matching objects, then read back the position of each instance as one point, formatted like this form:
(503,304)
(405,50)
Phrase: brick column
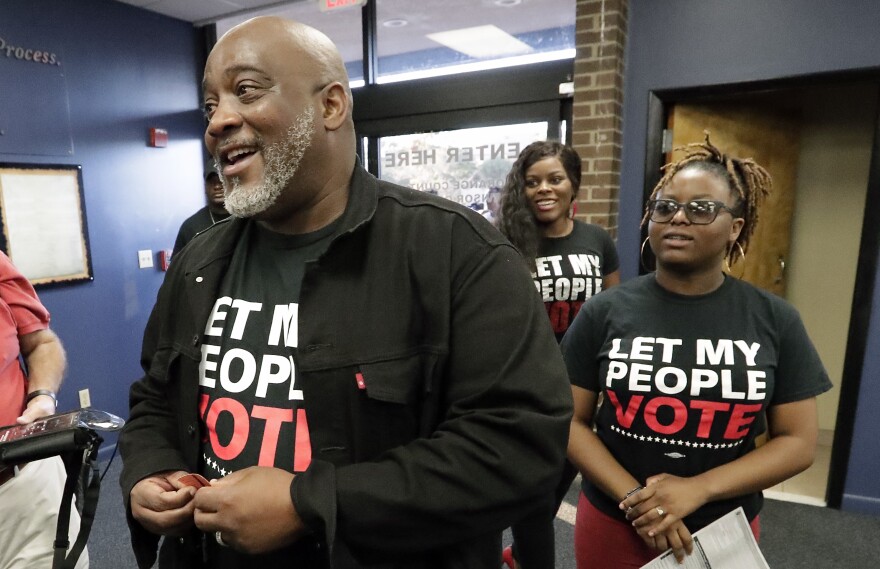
(600,36)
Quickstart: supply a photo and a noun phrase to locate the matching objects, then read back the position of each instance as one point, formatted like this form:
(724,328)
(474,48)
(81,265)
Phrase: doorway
(489,98)
(463,156)
(816,140)
(768,129)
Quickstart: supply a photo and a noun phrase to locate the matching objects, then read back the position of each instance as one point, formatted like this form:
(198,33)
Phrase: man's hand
(38,407)
(162,505)
(251,509)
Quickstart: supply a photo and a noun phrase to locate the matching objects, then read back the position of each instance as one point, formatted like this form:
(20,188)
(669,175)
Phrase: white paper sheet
(726,543)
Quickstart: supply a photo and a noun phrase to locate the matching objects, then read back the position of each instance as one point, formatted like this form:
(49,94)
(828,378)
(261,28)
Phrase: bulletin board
(44,222)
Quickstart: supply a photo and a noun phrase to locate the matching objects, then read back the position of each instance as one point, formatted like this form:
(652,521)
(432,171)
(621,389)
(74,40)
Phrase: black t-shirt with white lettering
(569,270)
(686,378)
(252,411)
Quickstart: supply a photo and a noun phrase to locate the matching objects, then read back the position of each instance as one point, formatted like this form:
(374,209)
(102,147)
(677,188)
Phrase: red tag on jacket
(359,377)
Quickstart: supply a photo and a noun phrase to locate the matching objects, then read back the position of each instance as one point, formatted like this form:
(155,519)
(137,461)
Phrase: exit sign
(327,5)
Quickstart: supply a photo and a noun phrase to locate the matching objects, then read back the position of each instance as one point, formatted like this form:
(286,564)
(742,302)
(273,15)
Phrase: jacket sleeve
(500,439)
(148,443)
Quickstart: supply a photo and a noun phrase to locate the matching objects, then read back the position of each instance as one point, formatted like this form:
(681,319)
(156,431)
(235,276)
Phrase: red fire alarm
(164,259)
(158,137)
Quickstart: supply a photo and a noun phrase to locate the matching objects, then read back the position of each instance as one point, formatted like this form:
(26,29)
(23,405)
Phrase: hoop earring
(742,257)
(642,256)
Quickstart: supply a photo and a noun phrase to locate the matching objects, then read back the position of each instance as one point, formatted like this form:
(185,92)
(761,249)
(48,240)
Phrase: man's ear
(336,106)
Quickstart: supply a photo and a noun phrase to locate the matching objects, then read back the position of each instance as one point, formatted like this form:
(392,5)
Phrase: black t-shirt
(686,379)
(570,269)
(252,412)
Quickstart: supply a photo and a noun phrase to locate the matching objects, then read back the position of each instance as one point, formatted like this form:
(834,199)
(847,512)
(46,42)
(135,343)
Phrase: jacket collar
(363,195)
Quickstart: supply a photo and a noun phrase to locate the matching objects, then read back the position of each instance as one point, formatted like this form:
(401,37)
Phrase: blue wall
(689,43)
(125,70)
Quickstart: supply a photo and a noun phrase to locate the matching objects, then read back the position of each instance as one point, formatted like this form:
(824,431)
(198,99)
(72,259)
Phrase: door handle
(781,274)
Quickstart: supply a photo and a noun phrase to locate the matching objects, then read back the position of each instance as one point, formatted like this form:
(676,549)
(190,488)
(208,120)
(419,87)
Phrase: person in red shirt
(30,494)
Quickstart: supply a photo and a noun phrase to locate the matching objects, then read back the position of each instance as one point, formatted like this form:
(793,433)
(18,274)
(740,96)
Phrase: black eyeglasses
(698,212)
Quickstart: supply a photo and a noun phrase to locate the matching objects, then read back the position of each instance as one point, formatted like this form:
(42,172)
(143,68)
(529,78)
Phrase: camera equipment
(73,437)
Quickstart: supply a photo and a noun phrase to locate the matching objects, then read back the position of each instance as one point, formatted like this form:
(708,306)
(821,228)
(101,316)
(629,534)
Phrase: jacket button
(190,430)
(196,340)
(199,279)
(181,540)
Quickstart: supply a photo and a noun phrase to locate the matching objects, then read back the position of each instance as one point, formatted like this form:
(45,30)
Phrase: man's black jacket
(464,419)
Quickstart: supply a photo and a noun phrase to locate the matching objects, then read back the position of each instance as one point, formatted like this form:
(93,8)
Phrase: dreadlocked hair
(747,178)
(517,221)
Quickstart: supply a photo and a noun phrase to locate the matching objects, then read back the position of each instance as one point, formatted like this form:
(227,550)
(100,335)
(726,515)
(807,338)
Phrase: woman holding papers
(693,364)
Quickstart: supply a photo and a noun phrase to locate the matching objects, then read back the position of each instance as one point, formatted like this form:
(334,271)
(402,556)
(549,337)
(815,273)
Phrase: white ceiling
(422,18)
(202,11)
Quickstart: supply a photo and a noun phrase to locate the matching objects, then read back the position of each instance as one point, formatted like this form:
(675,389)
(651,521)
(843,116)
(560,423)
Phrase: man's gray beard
(280,162)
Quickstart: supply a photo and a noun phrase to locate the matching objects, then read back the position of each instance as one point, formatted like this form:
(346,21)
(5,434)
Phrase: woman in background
(571,262)
(689,360)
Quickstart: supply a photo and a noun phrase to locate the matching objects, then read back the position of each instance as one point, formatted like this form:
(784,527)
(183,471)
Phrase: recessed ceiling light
(395,23)
(482,42)
(507,3)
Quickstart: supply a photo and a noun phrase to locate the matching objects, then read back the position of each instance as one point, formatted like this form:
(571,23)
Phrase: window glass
(460,165)
(343,26)
(419,39)
(365,152)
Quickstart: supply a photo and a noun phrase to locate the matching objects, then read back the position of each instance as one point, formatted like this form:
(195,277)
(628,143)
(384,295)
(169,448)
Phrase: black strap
(79,465)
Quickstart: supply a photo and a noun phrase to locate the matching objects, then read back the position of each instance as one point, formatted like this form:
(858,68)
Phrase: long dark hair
(517,221)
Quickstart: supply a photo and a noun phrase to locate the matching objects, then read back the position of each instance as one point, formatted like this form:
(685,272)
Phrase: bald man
(363,373)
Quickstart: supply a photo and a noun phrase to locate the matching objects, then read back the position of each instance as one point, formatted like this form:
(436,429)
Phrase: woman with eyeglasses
(690,362)
(572,261)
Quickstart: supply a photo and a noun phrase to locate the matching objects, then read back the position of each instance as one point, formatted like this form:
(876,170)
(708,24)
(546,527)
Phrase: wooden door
(770,134)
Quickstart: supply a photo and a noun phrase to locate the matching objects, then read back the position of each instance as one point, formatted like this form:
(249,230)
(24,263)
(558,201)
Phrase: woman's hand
(662,503)
(677,537)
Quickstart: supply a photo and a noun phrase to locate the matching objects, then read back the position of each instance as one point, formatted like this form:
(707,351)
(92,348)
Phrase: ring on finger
(661,512)
(219,538)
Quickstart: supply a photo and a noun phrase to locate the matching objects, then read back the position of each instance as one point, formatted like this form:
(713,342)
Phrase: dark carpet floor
(794,536)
